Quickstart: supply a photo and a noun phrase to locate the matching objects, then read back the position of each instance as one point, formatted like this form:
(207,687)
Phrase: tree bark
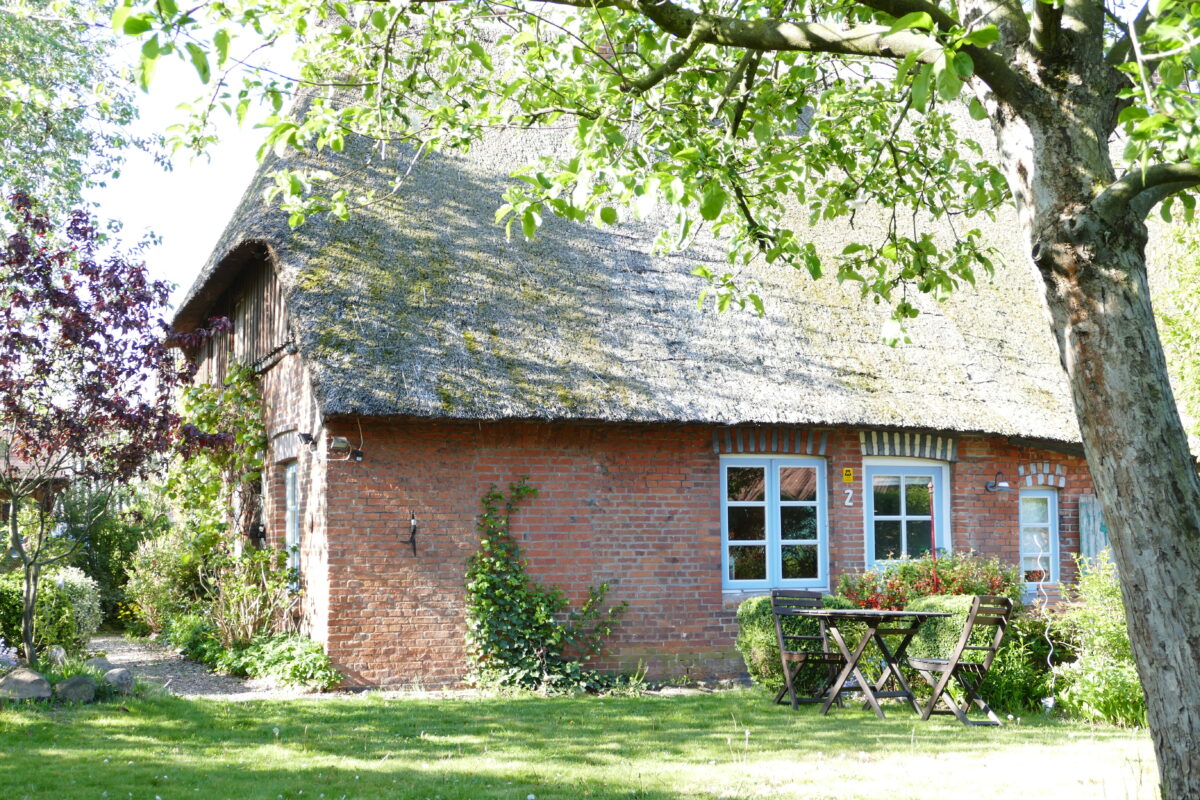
(1093,273)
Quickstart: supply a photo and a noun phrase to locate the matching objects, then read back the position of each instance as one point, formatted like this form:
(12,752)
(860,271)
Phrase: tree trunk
(32,573)
(1094,275)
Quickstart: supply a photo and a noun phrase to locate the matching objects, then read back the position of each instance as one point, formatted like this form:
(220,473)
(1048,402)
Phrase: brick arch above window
(770,439)
(936,446)
(1042,473)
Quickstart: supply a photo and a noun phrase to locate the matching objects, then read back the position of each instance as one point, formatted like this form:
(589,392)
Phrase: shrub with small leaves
(519,632)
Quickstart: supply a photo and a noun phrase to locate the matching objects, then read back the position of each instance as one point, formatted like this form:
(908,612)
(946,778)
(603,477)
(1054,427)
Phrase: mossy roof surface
(420,306)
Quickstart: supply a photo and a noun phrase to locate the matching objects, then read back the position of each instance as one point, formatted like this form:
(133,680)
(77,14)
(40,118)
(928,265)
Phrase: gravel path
(158,663)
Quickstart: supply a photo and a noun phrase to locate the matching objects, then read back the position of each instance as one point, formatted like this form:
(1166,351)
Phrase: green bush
(1100,688)
(164,580)
(1102,685)
(105,532)
(758,645)
(67,611)
(899,582)
(1020,676)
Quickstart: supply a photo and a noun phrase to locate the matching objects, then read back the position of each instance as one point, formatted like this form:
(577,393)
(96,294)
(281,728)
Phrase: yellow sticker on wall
(847,476)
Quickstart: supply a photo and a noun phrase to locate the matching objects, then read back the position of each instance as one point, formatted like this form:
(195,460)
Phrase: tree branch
(772,34)
(1120,52)
(674,63)
(1140,189)
(1047,22)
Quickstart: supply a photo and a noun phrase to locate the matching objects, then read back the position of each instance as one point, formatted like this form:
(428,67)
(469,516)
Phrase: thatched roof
(418,306)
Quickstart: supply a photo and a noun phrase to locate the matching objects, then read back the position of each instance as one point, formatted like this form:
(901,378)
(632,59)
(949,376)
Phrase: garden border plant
(521,633)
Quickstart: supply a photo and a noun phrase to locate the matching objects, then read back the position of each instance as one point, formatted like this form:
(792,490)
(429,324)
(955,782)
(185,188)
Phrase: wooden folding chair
(987,611)
(797,651)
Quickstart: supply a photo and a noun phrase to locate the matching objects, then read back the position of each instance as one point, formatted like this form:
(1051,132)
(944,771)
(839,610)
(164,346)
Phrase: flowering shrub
(898,582)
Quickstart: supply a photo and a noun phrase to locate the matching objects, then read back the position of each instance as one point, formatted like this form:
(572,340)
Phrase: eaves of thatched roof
(420,306)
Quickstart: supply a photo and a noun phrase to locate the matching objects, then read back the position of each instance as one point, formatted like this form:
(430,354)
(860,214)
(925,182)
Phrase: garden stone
(120,679)
(99,663)
(24,684)
(77,689)
(56,656)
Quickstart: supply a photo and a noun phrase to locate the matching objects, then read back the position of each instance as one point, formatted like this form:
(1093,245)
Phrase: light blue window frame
(940,504)
(1050,525)
(291,517)
(773,542)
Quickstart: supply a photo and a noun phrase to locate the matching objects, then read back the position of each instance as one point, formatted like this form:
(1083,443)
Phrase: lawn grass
(726,745)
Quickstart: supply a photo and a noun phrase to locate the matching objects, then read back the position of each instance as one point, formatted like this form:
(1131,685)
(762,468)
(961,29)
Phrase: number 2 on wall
(849,496)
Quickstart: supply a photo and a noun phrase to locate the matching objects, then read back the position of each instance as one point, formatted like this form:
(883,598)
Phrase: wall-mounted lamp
(259,534)
(356,455)
(306,439)
(412,531)
(998,484)
(339,445)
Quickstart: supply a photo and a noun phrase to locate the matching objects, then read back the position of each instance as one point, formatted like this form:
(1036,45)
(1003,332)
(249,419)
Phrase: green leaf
(688,154)
(976,109)
(480,54)
(199,61)
(917,19)
(608,215)
(982,37)
(1131,113)
(920,87)
(137,24)
(530,221)
(120,14)
(949,85)
(964,65)
(221,43)
(713,200)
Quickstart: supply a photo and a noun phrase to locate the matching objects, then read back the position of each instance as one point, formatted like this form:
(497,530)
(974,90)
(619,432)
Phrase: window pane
(798,483)
(887,495)
(1035,541)
(747,523)
(746,483)
(1036,569)
(918,537)
(887,539)
(798,522)
(747,563)
(799,561)
(916,495)
(1035,509)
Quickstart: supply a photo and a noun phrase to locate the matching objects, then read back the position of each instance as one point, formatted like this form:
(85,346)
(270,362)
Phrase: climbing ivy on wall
(521,633)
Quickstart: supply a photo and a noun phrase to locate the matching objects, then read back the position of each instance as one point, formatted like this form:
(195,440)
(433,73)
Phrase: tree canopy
(64,106)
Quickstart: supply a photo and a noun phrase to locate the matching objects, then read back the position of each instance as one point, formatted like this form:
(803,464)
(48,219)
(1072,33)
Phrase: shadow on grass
(438,748)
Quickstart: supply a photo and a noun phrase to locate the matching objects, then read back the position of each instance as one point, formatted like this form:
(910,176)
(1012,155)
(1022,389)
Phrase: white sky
(189,206)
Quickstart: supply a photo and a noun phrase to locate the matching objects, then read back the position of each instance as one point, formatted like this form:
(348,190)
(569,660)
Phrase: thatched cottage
(412,357)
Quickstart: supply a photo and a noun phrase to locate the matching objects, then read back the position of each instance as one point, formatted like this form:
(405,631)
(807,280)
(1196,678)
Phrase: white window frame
(943,528)
(771,466)
(1051,526)
(291,515)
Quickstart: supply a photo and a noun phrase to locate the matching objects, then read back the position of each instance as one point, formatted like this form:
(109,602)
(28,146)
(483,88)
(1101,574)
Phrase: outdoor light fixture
(998,484)
(306,439)
(339,445)
(356,455)
(412,531)
(259,533)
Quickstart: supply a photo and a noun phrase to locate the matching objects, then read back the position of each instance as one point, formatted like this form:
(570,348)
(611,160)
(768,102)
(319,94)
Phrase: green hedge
(756,637)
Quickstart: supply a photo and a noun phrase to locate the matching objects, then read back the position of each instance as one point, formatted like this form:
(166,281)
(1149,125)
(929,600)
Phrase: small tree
(87,378)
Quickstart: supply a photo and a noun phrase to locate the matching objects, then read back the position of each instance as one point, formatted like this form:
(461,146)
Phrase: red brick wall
(636,506)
